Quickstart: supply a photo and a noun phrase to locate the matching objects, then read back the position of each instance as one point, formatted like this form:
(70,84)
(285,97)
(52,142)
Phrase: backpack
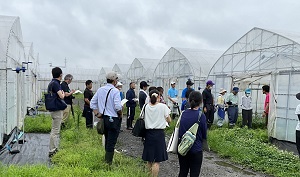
(189,137)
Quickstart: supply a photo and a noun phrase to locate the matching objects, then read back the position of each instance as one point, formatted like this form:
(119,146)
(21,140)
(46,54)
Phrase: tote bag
(139,129)
(173,142)
(52,101)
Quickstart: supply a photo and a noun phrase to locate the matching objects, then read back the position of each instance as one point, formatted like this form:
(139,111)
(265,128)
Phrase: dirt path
(212,164)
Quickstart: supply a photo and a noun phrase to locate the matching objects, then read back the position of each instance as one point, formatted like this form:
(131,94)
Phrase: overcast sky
(97,33)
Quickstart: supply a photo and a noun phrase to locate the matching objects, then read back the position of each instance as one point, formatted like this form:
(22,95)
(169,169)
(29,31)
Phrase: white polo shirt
(298,112)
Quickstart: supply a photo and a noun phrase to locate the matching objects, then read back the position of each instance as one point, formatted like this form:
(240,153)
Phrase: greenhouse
(142,69)
(122,70)
(180,64)
(264,57)
(102,75)
(80,75)
(12,74)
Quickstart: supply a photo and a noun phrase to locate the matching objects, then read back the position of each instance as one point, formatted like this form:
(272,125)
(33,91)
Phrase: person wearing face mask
(208,103)
(119,87)
(233,110)
(247,108)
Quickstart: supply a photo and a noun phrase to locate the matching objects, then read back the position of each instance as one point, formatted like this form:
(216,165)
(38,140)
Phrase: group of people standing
(106,104)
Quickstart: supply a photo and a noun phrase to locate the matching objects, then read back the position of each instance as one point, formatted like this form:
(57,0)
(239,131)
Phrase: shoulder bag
(52,100)
(139,129)
(100,124)
(189,137)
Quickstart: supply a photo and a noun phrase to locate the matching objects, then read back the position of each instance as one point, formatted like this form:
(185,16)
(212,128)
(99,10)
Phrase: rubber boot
(109,157)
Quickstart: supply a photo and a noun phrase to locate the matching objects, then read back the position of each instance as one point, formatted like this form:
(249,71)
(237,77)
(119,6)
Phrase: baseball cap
(189,82)
(298,96)
(248,91)
(236,89)
(172,82)
(143,84)
(222,90)
(209,82)
(112,75)
(119,84)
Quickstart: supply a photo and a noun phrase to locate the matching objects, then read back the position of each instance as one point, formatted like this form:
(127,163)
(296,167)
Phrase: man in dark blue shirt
(130,104)
(208,103)
(54,86)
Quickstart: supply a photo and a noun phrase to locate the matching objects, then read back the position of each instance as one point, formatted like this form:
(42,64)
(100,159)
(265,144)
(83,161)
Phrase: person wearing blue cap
(233,110)
(247,108)
(208,103)
(297,112)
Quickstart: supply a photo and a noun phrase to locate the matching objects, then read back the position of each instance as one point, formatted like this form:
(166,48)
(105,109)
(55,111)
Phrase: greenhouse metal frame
(264,57)
(181,64)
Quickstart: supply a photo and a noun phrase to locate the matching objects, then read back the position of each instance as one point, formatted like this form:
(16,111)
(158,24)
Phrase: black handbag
(139,129)
(52,101)
(100,125)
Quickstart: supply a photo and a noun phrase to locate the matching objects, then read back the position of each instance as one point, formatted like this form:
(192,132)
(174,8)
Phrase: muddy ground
(212,164)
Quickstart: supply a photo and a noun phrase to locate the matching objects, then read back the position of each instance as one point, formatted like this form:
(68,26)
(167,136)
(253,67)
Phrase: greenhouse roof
(121,68)
(260,51)
(186,62)
(8,25)
(142,68)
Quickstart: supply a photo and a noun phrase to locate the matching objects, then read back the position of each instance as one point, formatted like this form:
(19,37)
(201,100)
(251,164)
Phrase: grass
(81,154)
(250,147)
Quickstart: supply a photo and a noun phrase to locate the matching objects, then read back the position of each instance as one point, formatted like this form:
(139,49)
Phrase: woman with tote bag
(192,161)
(156,115)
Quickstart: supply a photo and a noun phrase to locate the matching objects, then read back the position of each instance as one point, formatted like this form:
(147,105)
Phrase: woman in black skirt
(156,117)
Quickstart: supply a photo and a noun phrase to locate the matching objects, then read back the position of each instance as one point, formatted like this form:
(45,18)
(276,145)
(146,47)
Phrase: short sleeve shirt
(173,92)
(65,88)
(267,100)
(54,86)
(184,92)
(155,116)
(89,95)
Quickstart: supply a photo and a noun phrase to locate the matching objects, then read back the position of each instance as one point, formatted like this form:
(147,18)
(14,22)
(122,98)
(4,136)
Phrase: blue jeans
(233,112)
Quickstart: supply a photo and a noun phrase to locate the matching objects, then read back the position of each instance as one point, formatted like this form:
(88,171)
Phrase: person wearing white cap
(221,107)
(106,104)
(246,102)
(173,99)
(119,87)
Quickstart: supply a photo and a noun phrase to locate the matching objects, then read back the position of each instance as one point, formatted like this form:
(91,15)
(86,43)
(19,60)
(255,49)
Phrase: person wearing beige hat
(221,107)
(106,105)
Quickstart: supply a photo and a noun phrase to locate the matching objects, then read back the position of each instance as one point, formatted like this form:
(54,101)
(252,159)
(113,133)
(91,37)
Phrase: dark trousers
(210,115)
(130,116)
(233,112)
(298,141)
(88,114)
(191,162)
(112,129)
(247,118)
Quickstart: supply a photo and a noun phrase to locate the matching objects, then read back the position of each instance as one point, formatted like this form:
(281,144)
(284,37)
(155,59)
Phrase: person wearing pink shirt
(266,90)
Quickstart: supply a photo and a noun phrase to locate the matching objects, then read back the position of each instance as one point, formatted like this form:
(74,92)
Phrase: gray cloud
(102,33)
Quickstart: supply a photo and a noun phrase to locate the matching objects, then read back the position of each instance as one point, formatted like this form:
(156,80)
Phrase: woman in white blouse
(156,116)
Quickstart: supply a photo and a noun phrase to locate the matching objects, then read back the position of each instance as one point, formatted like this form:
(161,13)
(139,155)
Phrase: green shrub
(250,148)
